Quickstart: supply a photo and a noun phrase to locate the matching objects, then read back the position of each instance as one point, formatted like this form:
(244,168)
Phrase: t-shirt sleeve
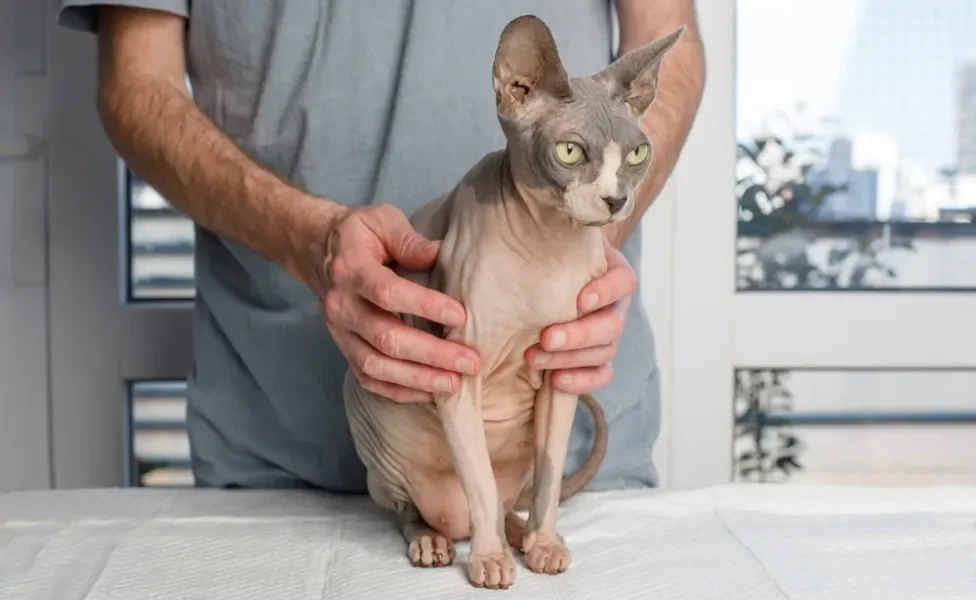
(81,15)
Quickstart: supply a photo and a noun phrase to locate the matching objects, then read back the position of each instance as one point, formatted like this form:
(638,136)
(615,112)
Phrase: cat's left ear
(527,66)
(632,78)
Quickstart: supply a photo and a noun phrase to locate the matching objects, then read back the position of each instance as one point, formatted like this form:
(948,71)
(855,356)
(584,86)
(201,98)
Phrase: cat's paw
(545,553)
(495,571)
(430,549)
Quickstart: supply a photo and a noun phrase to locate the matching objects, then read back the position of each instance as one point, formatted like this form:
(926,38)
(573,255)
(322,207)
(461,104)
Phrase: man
(314,126)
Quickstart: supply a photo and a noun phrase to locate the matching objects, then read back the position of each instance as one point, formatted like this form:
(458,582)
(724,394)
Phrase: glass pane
(855,427)
(159,452)
(160,247)
(856,123)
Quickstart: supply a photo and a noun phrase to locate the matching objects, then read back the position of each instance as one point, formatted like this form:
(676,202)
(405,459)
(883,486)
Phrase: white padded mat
(775,542)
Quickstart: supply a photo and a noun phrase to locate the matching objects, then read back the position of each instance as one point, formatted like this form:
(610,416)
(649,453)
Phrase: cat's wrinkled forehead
(593,115)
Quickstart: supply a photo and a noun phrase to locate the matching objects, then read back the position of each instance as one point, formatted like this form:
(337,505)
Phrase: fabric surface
(363,102)
(727,543)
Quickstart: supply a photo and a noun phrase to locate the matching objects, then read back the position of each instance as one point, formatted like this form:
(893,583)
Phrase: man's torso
(363,102)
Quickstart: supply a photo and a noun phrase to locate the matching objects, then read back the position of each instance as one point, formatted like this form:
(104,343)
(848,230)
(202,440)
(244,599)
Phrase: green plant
(763,452)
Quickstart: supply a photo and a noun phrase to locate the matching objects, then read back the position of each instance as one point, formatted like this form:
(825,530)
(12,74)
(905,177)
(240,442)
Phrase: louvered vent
(159,449)
(161,252)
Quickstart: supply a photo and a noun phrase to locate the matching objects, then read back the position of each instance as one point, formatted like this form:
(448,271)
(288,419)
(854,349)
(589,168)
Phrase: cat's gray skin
(521,237)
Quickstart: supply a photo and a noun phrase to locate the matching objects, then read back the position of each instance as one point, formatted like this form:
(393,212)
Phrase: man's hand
(579,352)
(360,294)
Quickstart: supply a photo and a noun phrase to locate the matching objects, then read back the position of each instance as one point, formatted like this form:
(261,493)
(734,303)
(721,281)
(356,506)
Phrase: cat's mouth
(584,206)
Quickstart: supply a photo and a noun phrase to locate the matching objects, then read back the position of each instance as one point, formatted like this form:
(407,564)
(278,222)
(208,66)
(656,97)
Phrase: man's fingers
(595,356)
(373,365)
(600,328)
(381,286)
(617,283)
(583,381)
(394,392)
(392,337)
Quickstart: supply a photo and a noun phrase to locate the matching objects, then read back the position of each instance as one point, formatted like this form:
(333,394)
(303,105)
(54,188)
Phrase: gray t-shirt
(363,102)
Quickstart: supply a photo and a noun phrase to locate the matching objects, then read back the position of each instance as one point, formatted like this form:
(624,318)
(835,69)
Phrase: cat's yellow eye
(637,155)
(569,153)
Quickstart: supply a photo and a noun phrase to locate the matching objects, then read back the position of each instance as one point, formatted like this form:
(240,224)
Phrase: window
(856,125)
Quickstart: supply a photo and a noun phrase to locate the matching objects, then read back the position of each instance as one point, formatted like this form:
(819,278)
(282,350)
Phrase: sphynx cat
(521,236)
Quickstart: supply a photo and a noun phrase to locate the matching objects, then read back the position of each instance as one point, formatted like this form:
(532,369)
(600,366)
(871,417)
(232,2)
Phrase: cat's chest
(512,294)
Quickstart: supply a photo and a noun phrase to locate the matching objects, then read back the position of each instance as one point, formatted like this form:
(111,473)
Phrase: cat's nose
(615,204)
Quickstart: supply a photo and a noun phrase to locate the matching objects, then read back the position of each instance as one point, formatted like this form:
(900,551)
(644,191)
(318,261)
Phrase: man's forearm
(158,130)
(682,80)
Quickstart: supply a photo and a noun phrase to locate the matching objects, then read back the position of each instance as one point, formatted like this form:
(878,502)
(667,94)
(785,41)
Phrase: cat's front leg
(545,550)
(490,563)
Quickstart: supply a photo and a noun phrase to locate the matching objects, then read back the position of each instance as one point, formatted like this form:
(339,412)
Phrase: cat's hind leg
(425,546)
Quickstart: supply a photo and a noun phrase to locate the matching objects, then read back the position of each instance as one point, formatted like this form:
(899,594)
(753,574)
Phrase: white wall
(24,397)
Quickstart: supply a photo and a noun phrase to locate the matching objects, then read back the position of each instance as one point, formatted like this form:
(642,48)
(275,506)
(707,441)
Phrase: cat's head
(580,135)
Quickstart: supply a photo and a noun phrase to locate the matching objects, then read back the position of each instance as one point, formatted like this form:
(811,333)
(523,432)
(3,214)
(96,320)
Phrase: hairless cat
(521,236)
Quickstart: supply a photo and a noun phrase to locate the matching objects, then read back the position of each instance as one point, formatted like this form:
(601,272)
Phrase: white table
(732,542)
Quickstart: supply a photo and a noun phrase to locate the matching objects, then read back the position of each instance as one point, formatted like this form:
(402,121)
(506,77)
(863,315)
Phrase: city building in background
(966,120)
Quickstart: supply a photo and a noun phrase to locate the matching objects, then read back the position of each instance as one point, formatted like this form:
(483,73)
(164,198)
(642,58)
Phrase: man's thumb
(412,250)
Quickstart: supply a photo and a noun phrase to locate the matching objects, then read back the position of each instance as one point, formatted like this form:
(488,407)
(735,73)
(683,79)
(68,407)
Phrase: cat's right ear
(632,78)
(527,65)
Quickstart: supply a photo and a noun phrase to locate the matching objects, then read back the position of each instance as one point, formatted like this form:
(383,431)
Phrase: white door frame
(98,341)
(695,324)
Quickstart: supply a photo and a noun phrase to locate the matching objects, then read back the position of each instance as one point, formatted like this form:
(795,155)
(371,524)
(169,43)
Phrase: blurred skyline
(877,66)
